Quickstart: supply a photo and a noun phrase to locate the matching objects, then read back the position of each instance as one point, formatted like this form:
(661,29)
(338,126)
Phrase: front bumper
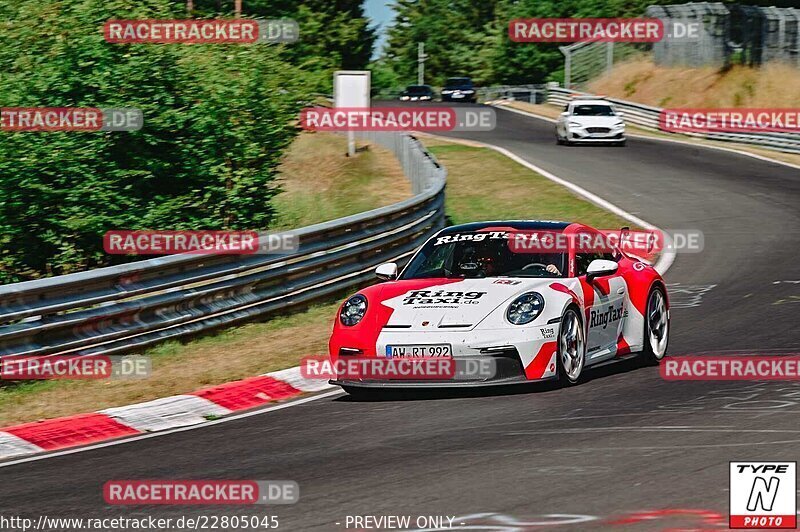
(518,355)
(583,136)
(459,98)
(394,385)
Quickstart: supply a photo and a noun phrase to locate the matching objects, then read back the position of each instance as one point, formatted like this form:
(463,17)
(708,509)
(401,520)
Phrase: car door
(605,309)
(561,123)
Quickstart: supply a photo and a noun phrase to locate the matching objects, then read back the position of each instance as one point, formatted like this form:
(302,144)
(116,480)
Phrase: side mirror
(620,114)
(601,268)
(565,114)
(388,271)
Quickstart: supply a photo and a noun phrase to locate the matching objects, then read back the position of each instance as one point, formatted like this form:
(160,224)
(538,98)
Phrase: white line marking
(666,259)
(674,141)
(172,431)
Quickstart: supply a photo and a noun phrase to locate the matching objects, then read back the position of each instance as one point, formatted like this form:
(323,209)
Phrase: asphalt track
(625,441)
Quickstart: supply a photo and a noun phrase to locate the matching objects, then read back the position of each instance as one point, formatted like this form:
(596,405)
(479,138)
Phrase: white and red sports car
(471,293)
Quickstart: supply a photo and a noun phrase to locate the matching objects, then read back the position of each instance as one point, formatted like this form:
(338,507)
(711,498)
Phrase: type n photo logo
(763,495)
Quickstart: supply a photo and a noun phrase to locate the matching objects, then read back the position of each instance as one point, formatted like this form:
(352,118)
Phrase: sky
(380,13)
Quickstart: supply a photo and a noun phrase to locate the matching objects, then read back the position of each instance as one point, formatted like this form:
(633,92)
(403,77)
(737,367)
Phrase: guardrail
(647,117)
(522,93)
(131,306)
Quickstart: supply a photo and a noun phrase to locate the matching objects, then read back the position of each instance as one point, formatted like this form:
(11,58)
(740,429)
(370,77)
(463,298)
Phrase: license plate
(419,351)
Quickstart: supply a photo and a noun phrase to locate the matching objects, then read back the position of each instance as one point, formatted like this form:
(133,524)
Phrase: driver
(552,268)
(481,261)
(548,260)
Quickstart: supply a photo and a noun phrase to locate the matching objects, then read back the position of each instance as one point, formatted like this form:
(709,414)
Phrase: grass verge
(482,185)
(318,184)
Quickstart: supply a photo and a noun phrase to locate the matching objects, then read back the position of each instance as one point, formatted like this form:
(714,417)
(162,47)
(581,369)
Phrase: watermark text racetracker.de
(730,120)
(586,29)
(641,241)
(200,492)
(398,119)
(74,367)
(731,368)
(442,368)
(199,242)
(70,119)
(212,31)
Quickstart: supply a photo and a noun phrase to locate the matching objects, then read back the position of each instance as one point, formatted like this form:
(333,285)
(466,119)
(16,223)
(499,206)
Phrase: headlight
(575,124)
(525,308)
(619,125)
(468,91)
(353,310)
(447,91)
(404,98)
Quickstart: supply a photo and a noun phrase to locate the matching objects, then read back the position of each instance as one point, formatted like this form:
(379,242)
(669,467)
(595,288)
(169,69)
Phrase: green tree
(334,34)
(216,120)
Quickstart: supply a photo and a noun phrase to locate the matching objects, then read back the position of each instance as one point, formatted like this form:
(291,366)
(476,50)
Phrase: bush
(216,121)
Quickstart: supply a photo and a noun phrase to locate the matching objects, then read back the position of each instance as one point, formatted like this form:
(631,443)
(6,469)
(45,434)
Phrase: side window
(582,261)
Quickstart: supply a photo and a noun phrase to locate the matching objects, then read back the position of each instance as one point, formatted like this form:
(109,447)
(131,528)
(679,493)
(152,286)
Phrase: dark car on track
(414,93)
(459,90)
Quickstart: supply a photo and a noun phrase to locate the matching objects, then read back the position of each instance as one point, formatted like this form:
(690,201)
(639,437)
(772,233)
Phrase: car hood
(595,121)
(455,304)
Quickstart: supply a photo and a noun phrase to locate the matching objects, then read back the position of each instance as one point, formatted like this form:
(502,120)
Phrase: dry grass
(640,80)
(318,184)
(318,181)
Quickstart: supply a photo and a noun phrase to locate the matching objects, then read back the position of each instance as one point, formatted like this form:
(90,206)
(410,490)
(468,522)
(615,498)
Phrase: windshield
(458,82)
(476,255)
(593,110)
(418,89)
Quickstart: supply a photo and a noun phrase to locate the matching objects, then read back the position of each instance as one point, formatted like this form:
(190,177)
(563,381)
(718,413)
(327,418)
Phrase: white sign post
(351,88)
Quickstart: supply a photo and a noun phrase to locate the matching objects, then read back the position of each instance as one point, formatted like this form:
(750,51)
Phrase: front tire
(656,326)
(571,350)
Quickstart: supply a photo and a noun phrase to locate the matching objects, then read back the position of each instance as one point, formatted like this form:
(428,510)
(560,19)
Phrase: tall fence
(646,117)
(709,46)
(725,35)
(131,306)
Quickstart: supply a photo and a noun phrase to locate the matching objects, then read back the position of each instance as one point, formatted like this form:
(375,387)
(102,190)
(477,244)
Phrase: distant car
(459,90)
(414,93)
(468,294)
(590,121)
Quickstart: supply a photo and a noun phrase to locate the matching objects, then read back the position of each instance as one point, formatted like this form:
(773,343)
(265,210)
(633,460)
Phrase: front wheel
(656,326)
(571,352)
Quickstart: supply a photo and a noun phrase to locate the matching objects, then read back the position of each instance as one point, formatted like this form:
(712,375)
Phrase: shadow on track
(428,394)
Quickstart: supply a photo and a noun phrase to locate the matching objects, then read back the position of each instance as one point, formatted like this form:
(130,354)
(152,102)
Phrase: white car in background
(593,120)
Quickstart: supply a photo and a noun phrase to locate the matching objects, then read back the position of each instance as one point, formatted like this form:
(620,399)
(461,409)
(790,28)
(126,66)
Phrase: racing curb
(162,414)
